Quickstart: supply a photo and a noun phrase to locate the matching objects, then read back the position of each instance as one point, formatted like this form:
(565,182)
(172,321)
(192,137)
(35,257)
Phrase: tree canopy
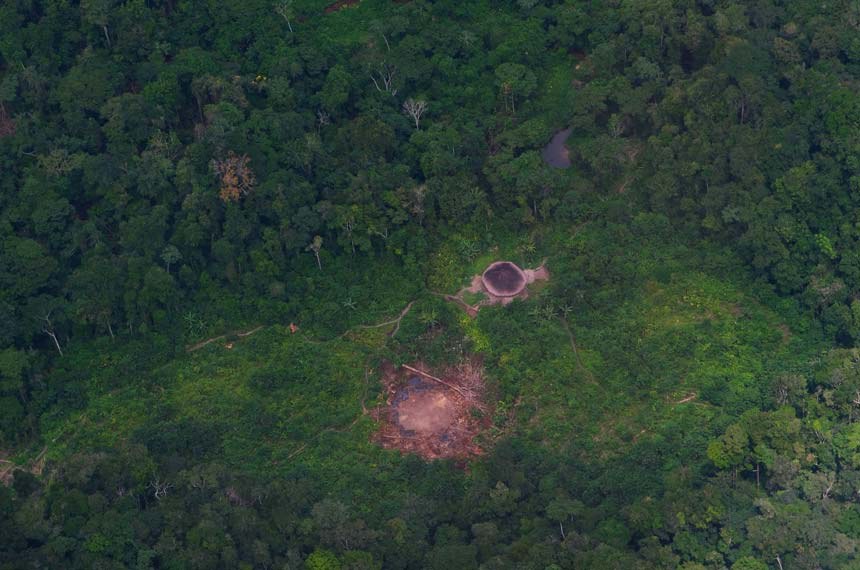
(207,208)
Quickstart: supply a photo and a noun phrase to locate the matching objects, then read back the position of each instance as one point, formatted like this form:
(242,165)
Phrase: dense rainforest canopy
(207,208)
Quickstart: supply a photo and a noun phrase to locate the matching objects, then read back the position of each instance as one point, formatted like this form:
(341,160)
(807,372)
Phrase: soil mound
(435,414)
(504,279)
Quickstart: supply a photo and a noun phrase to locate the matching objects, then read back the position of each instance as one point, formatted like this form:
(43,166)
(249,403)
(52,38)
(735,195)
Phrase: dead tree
(413,199)
(323,119)
(379,28)
(384,233)
(236,177)
(284,9)
(315,247)
(383,79)
(106,317)
(415,108)
(159,488)
(826,493)
(48,329)
(349,228)
(856,402)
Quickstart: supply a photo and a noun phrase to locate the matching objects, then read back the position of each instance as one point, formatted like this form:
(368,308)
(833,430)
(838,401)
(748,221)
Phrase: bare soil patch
(435,414)
(424,411)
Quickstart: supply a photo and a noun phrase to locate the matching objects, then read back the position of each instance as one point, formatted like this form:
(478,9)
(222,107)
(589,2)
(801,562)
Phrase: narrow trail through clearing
(395,321)
(472,311)
(687,399)
(203,343)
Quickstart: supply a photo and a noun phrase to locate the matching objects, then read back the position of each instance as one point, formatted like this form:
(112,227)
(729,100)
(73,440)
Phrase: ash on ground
(435,414)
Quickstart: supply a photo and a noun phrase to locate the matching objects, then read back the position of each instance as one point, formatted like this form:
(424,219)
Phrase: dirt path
(396,322)
(689,398)
(203,343)
(472,311)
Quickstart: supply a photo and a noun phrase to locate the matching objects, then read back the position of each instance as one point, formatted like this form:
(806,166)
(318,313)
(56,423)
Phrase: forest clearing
(430,284)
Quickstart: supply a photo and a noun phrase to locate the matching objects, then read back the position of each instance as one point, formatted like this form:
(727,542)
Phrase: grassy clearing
(662,369)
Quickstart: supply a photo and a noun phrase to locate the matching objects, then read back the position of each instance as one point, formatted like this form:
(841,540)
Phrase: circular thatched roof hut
(504,279)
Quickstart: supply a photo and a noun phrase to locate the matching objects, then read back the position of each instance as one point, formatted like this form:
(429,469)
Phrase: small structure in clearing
(435,416)
(503,279)
(499,284)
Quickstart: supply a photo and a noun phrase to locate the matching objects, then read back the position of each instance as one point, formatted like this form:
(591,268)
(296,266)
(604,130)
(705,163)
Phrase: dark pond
(555,153)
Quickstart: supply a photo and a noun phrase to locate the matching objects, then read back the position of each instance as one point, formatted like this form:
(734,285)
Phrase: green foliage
(322,560)
(682,393)
(749,563)
(847,445)
(730,449)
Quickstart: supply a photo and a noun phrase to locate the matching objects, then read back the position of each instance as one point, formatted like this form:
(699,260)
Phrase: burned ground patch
(422,408)
(435,414)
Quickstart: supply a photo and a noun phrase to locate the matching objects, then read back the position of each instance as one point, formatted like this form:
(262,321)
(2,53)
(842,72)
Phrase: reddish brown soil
(426,412)
(435,414)
(504,279)
(339,5)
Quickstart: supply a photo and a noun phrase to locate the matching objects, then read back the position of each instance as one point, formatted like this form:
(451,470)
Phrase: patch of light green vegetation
(653,360)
